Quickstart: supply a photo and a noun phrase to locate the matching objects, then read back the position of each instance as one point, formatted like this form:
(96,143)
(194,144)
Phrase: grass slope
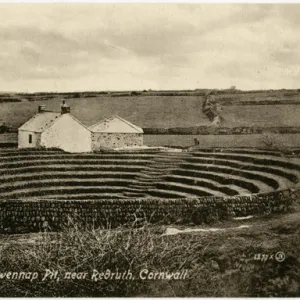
(166,111)
(156,111)
(219,264)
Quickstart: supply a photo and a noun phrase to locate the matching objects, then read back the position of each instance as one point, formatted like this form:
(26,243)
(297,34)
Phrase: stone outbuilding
(55,130)
(115,132)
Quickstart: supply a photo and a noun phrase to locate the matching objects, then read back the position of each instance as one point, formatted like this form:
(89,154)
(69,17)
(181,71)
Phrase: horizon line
(148,90)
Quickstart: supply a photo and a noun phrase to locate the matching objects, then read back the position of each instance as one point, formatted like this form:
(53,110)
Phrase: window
(30,139)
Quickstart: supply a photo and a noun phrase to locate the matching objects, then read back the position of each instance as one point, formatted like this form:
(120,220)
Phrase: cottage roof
(40,121)
(115,124)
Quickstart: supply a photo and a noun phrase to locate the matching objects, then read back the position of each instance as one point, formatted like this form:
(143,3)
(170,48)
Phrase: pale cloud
(67,47)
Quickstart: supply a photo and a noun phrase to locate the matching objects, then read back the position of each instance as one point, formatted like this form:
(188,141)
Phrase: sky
(97,47)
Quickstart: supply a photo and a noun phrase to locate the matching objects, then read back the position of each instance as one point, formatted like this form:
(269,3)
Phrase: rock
(215,265)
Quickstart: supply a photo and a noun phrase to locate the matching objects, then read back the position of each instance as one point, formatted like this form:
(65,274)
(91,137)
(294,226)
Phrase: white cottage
(115,132)
(55,130)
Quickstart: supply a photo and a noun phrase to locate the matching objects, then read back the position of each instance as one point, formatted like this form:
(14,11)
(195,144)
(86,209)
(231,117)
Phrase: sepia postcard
(149,150)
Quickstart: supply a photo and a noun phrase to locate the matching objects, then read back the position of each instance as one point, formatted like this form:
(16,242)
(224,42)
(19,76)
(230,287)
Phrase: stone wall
(102,140)
(18,216)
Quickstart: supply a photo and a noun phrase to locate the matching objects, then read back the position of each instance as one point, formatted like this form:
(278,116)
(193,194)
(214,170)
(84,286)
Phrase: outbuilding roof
(40,121)
(115,124)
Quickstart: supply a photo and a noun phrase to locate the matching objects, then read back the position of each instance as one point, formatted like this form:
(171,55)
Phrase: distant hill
(162,109)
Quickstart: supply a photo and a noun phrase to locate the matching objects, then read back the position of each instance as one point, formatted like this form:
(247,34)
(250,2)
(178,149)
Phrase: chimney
(42,108)
(65,108)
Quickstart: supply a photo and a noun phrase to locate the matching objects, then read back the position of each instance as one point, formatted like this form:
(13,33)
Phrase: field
(257,113)
(279,141)
(142,111)
(264,115)
(160,111)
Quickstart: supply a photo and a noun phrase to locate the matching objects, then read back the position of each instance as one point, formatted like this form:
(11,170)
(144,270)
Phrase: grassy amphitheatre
(219,264)
(53,174)
(40,188)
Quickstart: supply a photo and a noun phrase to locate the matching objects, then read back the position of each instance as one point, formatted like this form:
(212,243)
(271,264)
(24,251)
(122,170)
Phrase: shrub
(218,264)
(135,93)
(10,100)
(4,128)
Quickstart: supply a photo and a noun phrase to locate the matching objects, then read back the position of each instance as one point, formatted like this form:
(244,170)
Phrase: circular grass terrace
(53,174)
